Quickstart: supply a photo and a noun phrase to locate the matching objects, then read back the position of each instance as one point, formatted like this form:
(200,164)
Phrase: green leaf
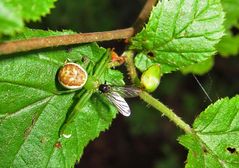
(112,77)
(34,107)
(181,32)
(200,68)
(10,20)
(142,62)
(229,45)
(231,8)
(215,142)
(14,13)
(33,10)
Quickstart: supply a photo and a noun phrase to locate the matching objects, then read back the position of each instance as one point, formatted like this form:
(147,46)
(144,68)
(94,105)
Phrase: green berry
(150,79)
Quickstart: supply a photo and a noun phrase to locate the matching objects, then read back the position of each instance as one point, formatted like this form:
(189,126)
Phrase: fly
(117,94)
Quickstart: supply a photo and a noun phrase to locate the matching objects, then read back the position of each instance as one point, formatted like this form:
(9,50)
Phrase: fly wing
(119,103)
(127,91)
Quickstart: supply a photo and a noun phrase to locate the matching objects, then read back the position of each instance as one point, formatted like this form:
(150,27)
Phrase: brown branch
(63,40)
(143,15)
(54,41)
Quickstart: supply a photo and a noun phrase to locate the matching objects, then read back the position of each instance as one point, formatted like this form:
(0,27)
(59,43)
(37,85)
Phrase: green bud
(150,79)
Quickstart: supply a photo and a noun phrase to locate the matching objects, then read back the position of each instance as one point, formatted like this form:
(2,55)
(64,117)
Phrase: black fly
(117,94)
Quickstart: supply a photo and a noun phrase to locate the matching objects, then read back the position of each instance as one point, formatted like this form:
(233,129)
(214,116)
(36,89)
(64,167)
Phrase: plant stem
(103,65)
(151,100)
(166,111)
(129,59)
(63,40)
(143,15)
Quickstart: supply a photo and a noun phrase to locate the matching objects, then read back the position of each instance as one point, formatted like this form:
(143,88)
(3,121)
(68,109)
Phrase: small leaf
(181,32)
(10,21)
(229,45)
(14,13)
(142,62)
(34,107)
(215,142)
(112,77)
(231,8)
(200,68)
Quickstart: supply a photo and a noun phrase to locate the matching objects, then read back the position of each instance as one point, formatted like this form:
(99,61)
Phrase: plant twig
(143,15)
(63,40)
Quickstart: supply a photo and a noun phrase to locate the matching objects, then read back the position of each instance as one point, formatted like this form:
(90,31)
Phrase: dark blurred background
(146,139)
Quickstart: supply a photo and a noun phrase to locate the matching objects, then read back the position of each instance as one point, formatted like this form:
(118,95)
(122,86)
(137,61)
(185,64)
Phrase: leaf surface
(215,142)
(15,12)
(34,107)
(200,68)
(231,8)
(180,33)
(229,44)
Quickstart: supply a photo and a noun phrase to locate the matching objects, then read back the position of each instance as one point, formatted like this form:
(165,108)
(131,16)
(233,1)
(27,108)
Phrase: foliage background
(145,139)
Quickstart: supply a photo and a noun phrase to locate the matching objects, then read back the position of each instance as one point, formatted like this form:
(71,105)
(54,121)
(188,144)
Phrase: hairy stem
(129,59)
(151,100)
(166,111)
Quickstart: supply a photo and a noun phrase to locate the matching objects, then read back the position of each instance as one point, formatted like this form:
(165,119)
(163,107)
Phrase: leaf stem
(166,111)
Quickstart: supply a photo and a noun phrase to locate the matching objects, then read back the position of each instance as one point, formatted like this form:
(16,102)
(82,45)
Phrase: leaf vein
(189,23)
(176,17)
(212,118)
(208,149)
(25,85)
(42,100)
(203,10)
(218,133)
(50,97)
(184,51)
(200,35)
(208,18)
